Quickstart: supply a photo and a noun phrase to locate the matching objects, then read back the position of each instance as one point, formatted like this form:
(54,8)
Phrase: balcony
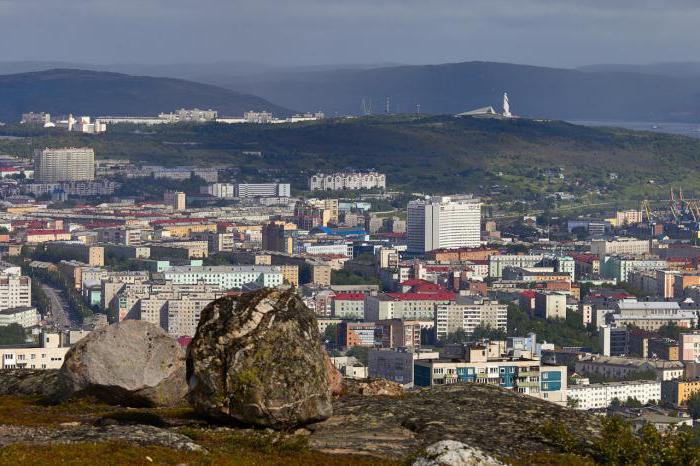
(529,374)
(528,384)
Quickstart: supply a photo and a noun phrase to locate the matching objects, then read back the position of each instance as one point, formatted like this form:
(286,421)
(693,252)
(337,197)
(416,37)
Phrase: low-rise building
(613,367)
(49,354)
(601,395)
(349,306)
(677,392)
(396,364)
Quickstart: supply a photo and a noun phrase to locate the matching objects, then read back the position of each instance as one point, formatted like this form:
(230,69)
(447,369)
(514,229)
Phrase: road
(60,311)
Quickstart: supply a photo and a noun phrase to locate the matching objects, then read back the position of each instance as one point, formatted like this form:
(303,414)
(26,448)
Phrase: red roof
(442,296)
(9,169)
(46,232)
(184,341)
(415,282)
(528,294)
(350,297)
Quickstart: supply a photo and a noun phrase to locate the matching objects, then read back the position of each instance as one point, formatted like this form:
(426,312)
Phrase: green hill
(441,154)
(63,91)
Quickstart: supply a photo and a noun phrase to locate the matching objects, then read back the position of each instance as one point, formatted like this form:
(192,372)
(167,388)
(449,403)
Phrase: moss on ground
(224,446)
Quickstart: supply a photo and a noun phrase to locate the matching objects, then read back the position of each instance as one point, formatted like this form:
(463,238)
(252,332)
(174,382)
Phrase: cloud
(552,32)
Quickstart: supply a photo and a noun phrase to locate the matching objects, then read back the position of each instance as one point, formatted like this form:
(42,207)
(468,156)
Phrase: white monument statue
(506,106)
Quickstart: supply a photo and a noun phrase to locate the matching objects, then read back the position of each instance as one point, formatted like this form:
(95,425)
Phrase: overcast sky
(292,32)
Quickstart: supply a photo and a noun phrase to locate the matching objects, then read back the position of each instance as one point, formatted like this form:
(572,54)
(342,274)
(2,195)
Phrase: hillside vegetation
(516,158)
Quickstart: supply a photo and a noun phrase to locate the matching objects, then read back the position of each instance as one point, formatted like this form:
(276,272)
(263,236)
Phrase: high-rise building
(175,199)
(448,222)
(69,164)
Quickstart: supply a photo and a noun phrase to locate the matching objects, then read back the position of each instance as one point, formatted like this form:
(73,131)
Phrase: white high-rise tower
(506,106)
(447,222)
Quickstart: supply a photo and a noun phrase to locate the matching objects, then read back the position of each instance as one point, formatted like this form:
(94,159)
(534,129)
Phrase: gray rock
(453,453)
(140,435)
(133,363)
(257,359)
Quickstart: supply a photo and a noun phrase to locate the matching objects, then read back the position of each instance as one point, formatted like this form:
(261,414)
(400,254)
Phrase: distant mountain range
(536,92)
(666,92)
(63,91)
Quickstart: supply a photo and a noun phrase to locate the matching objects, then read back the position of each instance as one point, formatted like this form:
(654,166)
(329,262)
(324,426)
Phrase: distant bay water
(685,129)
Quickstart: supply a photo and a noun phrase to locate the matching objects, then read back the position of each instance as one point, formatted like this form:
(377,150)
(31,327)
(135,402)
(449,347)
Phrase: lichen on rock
(257,359)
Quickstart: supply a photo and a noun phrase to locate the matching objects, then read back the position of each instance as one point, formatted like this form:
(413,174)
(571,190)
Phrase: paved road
(60,311)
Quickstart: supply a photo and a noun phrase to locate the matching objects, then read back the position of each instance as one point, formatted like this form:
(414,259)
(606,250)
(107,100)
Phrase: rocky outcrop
(43,383)
(453,453)
(502,423)
(335,378)
(375,387)
(141,435)
(133,363)
(257,359)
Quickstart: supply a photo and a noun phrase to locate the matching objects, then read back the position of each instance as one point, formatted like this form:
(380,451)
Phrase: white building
(468,316)
(70,164)
(443,223)
(221,190)
(347,180)
(27,317)
(226,277)
(262,190)
(498,262)
(49,355)
(15,291)
(600,395)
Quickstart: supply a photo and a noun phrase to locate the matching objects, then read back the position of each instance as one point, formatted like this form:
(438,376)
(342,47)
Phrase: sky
(564,33)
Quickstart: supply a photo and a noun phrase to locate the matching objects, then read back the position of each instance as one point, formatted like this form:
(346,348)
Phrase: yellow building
(678,391)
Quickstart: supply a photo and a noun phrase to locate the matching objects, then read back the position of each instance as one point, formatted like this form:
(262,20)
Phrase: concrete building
(396,364)
(614,341)
(613,367)
(349,306)
(689,346)
(55,165)
(77,250)
(620,246)
(177,200)
(262,190)
(443,223)
(408,306)
(468,314)
(48,355)
(397,333)
(226,277)
(15,291)
(550,305)
(352,334)
(620,267)
(347,181)
(677,392)
(527,376)
(498,262)
(651,316)
(601,395)
(27,317)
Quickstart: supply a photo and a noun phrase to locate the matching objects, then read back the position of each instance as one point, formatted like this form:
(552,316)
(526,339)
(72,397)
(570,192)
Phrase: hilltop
(81,92)
(537,92)
(440,154)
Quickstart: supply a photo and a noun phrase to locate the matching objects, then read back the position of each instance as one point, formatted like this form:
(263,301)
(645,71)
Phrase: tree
(330,335)
(12,334)
(632,403)
(361,353)
(694,406)
(572,403)
(458,336)
(615,403)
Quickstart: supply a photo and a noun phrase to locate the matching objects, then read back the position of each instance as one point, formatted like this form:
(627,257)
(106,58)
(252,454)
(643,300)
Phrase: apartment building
(48,355)
(620,246)
(498,263)
(396,364)
(27,317)
(226,277)
(613,367)
(397,333)
(408,306)
(77,250)
(650,316)
(68,164)
(347,180)
(527,376)
(689,346)
(449,222)
(15,291)
(677,392)
(262,190)
(468,314)
(601,395)
(550,305)
(349,306)
(352,334)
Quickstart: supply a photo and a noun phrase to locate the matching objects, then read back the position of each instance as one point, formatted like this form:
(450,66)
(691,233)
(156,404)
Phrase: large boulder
(132,363)
(257,359)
